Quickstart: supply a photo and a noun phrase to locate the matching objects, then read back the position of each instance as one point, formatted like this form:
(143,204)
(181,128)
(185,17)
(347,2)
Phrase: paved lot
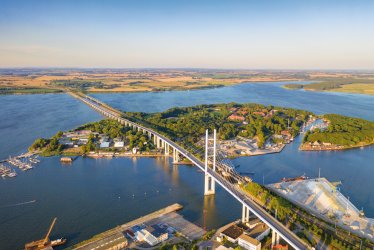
(181,225)
(108,242)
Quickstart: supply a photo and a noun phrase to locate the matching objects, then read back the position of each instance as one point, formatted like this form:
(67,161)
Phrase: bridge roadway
(234,190)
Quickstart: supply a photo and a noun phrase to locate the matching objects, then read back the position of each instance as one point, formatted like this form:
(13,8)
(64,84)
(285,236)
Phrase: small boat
(299,178)
(58,242)
(13,174)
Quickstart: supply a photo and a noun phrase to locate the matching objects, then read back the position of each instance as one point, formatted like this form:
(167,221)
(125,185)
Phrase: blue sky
(263,34)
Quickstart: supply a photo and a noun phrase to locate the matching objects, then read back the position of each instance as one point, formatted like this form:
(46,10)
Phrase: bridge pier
(209,185)
(175,156)
(166,148)
(158,142)
(245,214)
(274,238)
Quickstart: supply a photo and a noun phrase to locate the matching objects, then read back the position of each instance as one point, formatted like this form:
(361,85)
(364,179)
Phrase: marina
(23,162)
(7,172)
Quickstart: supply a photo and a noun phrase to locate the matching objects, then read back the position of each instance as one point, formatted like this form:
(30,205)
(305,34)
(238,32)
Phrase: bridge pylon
(209,183)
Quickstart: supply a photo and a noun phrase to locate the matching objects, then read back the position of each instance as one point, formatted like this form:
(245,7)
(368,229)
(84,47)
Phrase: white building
(135,150)
(119,144)
(249,243)
(150,239)
(139,235)
(104,145)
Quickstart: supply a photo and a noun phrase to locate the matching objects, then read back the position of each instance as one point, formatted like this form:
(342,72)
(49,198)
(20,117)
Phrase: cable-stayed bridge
(215,167)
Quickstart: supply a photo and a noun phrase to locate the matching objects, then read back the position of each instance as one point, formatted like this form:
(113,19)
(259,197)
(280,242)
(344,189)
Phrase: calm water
(93,195)
(264,93)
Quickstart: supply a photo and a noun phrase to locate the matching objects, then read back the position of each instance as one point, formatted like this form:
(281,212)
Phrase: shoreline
(212,86)
(335,148)
(259,153)
(337,90)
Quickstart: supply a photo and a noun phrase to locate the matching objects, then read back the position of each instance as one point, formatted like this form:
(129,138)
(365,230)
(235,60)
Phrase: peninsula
(339,132)
(363,84)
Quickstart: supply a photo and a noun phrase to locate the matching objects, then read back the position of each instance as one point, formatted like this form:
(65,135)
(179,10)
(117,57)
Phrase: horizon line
(184,68)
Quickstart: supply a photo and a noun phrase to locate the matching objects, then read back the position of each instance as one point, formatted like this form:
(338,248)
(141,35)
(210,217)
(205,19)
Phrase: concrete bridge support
(158,142)
(209,185)
(274,238)
(175,156)
(166,148)
(245,214)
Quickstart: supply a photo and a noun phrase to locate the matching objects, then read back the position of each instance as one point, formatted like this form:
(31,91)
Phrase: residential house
(235,117)
(259,232)
(232,233)
(248,242)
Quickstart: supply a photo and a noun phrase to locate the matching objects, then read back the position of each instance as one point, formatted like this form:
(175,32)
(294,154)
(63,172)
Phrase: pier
(165,215)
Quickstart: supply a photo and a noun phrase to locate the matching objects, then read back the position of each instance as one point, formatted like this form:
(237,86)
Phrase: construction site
(323,199)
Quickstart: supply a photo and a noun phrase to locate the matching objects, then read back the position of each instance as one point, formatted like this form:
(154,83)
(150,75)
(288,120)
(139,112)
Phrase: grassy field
(24,91)
(351,84)
(146,80)
(135,80)
(356,88)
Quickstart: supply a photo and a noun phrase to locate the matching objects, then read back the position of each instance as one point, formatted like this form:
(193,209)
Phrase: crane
(44,243)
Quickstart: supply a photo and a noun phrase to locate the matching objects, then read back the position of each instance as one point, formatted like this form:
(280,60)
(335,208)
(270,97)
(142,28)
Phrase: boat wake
(18,204)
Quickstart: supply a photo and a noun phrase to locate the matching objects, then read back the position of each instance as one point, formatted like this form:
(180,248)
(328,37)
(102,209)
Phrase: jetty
(166,216)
